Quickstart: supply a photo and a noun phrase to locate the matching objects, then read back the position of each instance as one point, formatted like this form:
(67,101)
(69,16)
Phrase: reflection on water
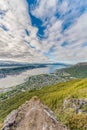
(14,80)
(52,68)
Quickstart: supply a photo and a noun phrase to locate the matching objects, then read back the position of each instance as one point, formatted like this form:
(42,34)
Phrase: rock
(75,104)
(10,120)
(32,115)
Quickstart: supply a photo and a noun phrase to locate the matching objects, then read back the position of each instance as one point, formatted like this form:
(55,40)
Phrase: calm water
(13,80)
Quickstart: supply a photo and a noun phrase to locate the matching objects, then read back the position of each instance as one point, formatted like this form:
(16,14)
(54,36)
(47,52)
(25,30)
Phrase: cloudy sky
(43,30)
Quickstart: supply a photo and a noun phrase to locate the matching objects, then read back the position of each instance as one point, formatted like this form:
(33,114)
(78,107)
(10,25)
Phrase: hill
(54,96)
(78,71)
(32,115)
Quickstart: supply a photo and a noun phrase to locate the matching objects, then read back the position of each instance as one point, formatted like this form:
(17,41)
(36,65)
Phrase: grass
(77,71)
(53,96)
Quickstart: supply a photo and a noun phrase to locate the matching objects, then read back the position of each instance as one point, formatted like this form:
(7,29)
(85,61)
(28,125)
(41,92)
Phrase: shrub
(78,122)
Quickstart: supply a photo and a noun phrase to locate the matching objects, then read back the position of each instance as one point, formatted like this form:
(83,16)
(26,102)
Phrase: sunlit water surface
(13,80)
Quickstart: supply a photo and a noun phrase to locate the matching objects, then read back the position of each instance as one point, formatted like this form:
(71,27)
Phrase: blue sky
(50,30)
(72,12)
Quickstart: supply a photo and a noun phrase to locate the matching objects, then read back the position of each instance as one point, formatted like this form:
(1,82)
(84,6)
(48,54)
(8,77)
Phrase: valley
(16,75)
(63,91)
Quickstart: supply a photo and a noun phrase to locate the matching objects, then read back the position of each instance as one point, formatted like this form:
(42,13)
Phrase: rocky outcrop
(76,104)
(32,115)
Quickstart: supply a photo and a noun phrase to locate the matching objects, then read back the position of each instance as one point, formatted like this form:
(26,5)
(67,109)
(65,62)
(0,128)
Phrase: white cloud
(75,36)
(16,20)
(16,44)
(45,9)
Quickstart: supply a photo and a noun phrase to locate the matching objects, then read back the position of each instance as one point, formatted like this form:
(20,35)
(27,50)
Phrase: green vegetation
(78,122)
(77,71)
(53,96)
(34,82)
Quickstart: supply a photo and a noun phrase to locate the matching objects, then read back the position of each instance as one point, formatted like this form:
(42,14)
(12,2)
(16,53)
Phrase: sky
(43,30)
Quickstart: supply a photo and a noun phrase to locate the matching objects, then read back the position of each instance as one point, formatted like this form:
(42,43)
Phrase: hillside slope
(78,71)
(53,96)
